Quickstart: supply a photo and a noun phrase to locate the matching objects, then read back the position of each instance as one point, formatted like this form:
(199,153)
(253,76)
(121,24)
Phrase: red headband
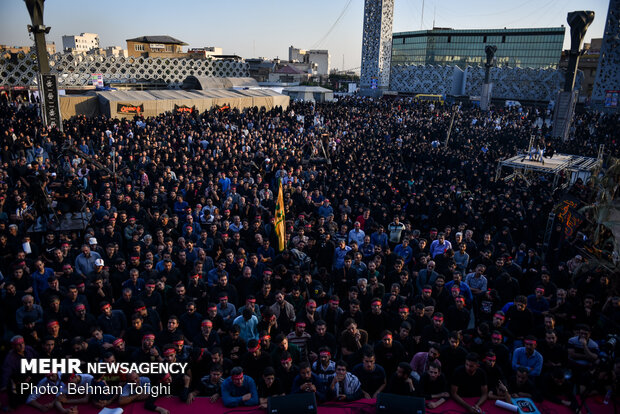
(251,300)
(150,285)
(179,342)
(224,298)
(438,318)
(169,351)
(376,303)
(118,341)
(206,323)
(238,377)
(334,302)
(80,307)
(289,359)
(148,336)
(427,290)
(462,300)
(325,353)
(388,336)
(301,324)
(499,316)
(496,336)
(490,358)
(17,341)
(530,342)
(256,348)
(52,323)
(141,308)
(106,306)
(212,307)
(265,337)
(404,309)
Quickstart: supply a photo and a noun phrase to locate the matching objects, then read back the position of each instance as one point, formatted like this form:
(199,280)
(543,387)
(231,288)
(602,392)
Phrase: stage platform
(365,406)
(575,166)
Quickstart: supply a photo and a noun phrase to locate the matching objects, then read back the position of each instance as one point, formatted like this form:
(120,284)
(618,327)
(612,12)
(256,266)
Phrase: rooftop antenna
(434,11)
(422,17)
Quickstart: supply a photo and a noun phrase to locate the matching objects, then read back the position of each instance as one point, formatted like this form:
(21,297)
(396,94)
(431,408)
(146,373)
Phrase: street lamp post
(579,21)
(35,9)
(487,87)
(48,85)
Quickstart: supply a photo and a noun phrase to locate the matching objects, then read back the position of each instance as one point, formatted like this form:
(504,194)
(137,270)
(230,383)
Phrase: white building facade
(81,43)
(318,57)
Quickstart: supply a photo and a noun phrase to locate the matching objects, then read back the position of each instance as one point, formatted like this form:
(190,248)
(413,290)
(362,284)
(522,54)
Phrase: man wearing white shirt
(51,380)
(79,380)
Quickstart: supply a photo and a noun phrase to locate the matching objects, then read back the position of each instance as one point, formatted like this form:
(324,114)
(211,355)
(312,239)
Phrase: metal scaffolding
(570,166)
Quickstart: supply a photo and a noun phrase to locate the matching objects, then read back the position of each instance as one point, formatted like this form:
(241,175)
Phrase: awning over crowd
(210,82)
(127,104)
(309,93)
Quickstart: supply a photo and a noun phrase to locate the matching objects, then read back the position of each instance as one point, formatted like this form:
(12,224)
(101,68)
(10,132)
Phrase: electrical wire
(537,10)
(495,13)
(346,7)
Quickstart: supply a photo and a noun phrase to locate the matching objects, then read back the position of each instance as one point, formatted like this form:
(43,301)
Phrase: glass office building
(533,48)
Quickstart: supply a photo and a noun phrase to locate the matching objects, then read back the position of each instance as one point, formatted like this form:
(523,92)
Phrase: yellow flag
(280,217)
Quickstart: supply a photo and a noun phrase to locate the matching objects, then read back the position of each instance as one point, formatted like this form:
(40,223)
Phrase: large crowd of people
(407,267)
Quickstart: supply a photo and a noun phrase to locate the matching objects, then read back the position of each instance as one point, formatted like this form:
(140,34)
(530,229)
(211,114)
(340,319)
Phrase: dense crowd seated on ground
(407,267)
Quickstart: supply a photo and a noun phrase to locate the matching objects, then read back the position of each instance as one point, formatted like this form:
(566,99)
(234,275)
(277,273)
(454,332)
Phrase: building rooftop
(291,70)
(158,39)
(444,31)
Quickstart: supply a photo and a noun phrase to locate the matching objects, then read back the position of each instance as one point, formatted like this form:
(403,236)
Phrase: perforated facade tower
(608,72)
(376,46)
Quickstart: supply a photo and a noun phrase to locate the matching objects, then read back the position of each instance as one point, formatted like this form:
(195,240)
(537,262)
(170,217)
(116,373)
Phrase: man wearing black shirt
(400,382)
(436,333)
(389,352)
(268,385)
(452,355)
(520,320)
(371,375)
(433,386)
(469,381)
(496,379)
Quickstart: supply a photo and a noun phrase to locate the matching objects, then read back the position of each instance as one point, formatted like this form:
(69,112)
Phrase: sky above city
(266,28)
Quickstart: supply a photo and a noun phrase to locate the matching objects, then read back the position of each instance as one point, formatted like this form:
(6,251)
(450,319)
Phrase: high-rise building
(532,48)
(81,43)
(376,46)
(606,89)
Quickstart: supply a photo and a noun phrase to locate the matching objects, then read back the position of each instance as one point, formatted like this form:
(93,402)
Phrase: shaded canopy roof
(306,89)
(158,39)
(212,82)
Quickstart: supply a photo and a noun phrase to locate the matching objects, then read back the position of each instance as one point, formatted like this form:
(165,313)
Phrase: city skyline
(267,30)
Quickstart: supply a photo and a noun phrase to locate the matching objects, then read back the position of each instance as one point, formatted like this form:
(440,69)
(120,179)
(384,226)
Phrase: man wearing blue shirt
(527,357)
(440,245)
(379,238)
(239,389)
(40,277)
(404,250)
